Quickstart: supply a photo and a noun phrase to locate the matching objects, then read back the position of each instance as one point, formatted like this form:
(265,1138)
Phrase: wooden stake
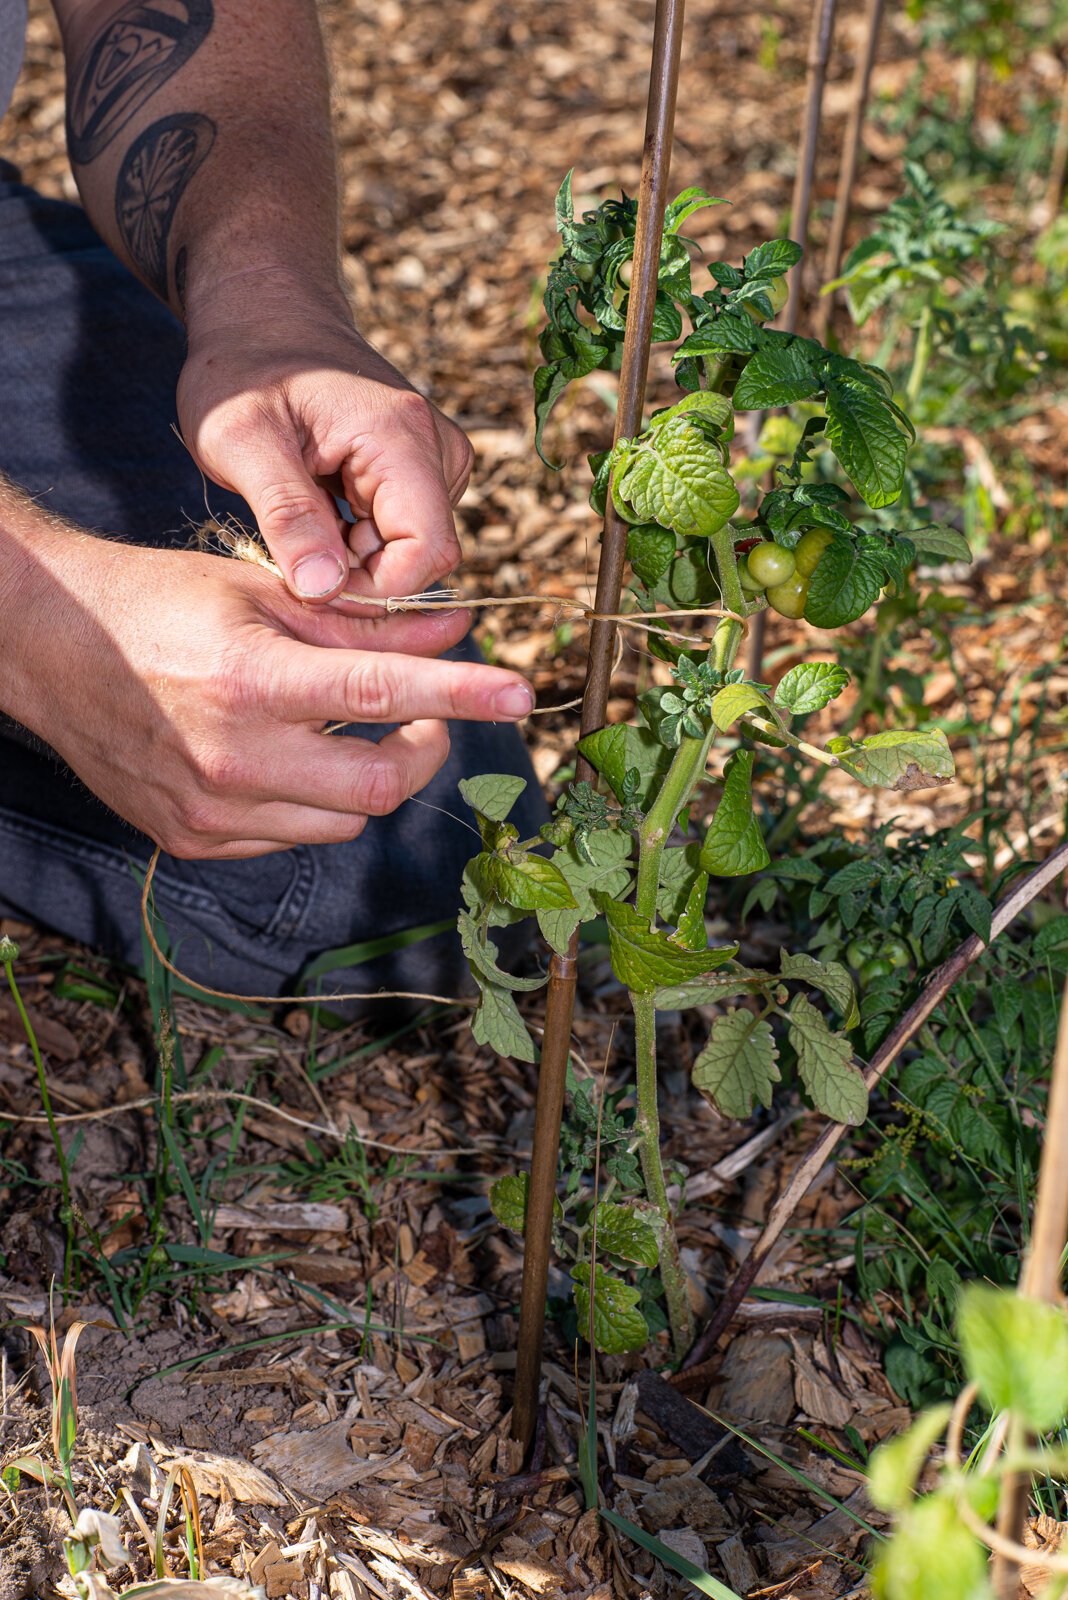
(819,49)
(563,970)
(696,1369)
(847,172)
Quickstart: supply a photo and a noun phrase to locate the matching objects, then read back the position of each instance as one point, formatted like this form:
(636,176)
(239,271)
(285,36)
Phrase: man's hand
(189,692)
(287,406)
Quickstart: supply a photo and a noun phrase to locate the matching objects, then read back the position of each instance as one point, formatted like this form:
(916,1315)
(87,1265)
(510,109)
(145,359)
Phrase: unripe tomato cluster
(783,575)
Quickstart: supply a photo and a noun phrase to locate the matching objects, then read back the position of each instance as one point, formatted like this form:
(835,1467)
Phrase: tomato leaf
(900,759)
(738,1064)
(675,476)
(734,844)
(607,873)
(865,434)
(528,882)
(618,1325)
(497,1022)
(810,686)
(644,958)
(624,1232)
(825,1064)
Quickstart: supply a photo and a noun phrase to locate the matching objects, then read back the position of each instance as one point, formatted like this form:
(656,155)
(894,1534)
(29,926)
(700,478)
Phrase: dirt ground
(342,1407)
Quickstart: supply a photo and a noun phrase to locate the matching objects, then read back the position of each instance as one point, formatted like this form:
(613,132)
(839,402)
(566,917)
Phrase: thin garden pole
(563,970)
(819,50)
(696,1368)
(847,172)
(1040,1279)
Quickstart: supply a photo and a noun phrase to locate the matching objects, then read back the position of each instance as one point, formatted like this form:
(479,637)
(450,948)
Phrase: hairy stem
(672,1274)
(687,765)
(730,586)
(920,357)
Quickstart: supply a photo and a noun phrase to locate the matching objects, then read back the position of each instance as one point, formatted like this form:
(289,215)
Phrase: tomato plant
(637,848)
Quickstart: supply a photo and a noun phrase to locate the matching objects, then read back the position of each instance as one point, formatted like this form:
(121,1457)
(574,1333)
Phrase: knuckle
(416,410)
(382,787)
(199,818)
(287,506)
(220,772)
(371,695)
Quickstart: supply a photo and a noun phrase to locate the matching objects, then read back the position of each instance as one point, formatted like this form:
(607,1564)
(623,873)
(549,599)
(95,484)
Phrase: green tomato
(770,564)
(776,291)
(746,579)
(585,271)
(858,951)
(897,952)
(624,274)
(878,967)
(789,598)
(810,548)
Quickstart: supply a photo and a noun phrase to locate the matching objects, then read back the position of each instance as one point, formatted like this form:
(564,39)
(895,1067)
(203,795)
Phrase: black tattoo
(131,57)
(151,182)
(181,263)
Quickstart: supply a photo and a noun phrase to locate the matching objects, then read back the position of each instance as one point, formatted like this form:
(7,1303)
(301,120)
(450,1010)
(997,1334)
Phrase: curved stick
(697,1369)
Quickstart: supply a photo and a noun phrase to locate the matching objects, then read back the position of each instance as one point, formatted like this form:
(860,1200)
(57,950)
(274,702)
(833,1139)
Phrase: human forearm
(200,139)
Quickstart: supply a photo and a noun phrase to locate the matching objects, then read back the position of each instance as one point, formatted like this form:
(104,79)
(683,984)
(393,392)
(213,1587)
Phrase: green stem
(730,587)
(920,357)
(672,1274)
(686,767)
(66,1209)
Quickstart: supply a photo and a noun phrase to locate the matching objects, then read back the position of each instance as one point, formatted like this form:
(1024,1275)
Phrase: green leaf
(734,844)
(644,958)
(497,1022)
(810,686)
(895,1467)
(829,977)
(738,1064)
(711,991)
(866,436)
(777,375)
(482,956)
(607,873)
(679,870)
(618,749)
(526,881)
(494,794)
(773,259)
(825,1063)
(848,580)
(691,932)
(675,476)
(565,207)
(901,760)
(685,204)
(938,542)
(624,1232)
(508,1201)
(713,409)
(617,1323)
(733,702)
(650,551)
(932,1554)
(1016,1350)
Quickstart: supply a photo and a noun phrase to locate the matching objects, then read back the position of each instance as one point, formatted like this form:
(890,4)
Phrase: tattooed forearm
(151,182)
(131,57)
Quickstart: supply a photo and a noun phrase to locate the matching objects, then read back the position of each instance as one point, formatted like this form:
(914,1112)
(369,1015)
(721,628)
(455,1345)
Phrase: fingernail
(515,701)
(317,575)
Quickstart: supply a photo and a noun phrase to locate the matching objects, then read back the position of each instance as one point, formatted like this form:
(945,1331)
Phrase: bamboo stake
(847,172)
(697,1369)
(1040,1279)
(819,49)
(563,970)
(1059,160)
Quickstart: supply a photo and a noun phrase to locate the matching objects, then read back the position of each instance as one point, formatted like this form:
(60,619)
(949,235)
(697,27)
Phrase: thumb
(297,520)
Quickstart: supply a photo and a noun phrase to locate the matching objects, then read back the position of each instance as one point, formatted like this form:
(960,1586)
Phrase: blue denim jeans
(88,366)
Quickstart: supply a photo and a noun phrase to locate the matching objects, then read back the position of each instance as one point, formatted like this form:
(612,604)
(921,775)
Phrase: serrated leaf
(901,760)
(1016,1350)
(772,259)
(938,542)
(868,440)
(810,686)
(497,1022)
(976,910)
(508,1201)
(650,551)
(829,977)
(691,932)
(711,408)
(895,1467)
(734,845)
(624,1232)
(713,990)
(778,374)
(493,794)
(676,477)
(733,702)
(618,1325)
(732,332)
(848,579)
(644,958)
(482,956)
(826,1067)
(619,748)
(531,883)
(607,873)
(738,1064)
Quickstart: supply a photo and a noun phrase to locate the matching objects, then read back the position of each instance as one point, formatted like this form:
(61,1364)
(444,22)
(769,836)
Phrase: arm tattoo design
(152,179)
(131,57)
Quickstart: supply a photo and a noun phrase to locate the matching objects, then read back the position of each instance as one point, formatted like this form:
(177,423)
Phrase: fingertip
(319,575)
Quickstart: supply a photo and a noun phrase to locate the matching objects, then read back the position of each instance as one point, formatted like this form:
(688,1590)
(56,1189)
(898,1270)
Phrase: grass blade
(702,1581)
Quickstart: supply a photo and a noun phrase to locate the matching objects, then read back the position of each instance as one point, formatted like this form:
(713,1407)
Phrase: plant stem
(730,587)
(687,765)
(66,1209)
(672,1274)
(920,357)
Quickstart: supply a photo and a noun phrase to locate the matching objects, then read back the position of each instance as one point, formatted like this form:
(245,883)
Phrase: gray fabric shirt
(12,40)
